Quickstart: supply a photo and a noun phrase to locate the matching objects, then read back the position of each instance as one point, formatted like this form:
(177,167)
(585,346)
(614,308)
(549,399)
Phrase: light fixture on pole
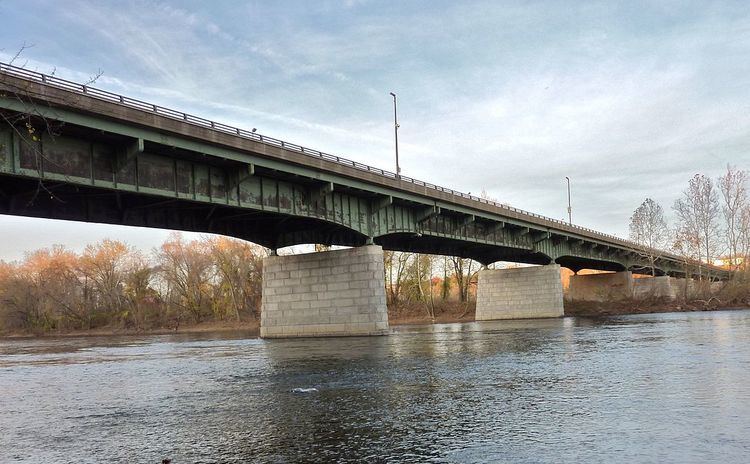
(395,134)
(570,210)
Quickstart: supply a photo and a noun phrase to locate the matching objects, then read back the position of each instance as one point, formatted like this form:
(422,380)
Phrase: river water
(652,388)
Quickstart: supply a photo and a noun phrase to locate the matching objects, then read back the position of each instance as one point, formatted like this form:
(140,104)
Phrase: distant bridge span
(106,158)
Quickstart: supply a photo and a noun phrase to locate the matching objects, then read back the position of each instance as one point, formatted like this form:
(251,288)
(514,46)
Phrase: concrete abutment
(324,294)
(519,293)
(661,287)
(614,286)
(610,286)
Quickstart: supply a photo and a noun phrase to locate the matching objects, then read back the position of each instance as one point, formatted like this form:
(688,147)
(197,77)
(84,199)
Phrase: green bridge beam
(102,169)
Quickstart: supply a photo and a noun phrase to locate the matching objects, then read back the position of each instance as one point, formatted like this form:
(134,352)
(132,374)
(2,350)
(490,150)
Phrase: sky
(628,99)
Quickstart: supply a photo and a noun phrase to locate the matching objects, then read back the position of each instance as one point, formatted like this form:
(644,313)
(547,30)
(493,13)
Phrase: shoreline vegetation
(214,284)
(408,314)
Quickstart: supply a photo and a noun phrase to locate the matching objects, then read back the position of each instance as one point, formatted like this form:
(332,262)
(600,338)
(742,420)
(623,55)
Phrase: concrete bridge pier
(610,286)
(660,287)
(519,293)
(324,294)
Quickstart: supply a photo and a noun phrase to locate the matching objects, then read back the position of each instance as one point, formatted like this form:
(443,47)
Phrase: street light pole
(395,134)
(570,210)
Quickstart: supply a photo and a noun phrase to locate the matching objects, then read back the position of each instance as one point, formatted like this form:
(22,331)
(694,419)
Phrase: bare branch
(648,229)
(697,212)
(733,187)
(95,77)
(18,54)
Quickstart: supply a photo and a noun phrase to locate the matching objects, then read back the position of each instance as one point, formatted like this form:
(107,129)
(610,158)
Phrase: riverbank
(625,307)
(401,314)
(410,314)
(445,312)
(248,328)
(455,312)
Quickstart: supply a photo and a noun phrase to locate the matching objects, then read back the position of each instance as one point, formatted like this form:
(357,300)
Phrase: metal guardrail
(206,123)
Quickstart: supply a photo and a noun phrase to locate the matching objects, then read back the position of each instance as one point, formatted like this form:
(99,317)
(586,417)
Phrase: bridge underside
(481,252)
(81,168)
(65,201)
(58,200)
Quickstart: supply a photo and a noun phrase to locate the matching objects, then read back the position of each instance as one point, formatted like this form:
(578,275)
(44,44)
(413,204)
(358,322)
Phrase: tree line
(213,279)
(712,224)
(111,284)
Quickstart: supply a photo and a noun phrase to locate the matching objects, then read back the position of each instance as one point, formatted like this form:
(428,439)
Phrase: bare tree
(464,275)
(103,265)
(429,286)
(743,240)
(113,285)
(445,287)
(698,214)
(186,270)
(31,124)
(395,269)
(137,291)
(239,267)
(422,270)
(733,187)
(648,229)
(63,293)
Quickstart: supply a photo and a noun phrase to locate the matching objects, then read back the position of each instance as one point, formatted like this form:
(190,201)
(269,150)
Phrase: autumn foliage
(113,285)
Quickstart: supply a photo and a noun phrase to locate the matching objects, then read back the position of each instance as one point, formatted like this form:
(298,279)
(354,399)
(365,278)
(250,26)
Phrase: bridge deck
(426,209)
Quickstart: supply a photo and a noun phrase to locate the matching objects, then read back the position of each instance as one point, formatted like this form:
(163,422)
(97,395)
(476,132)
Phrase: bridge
(74,152)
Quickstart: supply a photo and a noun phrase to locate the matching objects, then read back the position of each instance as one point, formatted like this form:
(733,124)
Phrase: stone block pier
(324,294)
(613,286)
(610,286)
(519,293)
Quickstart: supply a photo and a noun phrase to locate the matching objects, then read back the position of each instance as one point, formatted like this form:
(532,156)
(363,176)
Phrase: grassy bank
(249,328)
(733,295)
(405,313)
(416,313)
(398,314)
(621,308)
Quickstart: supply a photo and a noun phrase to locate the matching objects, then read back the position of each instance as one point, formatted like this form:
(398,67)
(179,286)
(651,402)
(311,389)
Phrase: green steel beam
(469,219)
(381,203)
(244,188)
(129,152)
(326,189)
(427,213)
(539,236)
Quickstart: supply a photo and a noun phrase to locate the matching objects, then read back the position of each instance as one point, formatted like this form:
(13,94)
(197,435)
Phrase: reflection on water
(666,388)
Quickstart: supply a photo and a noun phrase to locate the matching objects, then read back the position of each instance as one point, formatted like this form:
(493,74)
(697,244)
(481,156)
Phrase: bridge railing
(118,99)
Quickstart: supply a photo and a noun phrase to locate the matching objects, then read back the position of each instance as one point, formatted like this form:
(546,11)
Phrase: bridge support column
(519,293)
(324,294)
(609,286)
(683,288)
(654,287)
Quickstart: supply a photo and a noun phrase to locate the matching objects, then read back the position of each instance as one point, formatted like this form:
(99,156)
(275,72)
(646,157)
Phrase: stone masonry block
(519,293)
(608,286)
(333,293)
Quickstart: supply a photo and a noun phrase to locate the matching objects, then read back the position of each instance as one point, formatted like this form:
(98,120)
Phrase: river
(649,388)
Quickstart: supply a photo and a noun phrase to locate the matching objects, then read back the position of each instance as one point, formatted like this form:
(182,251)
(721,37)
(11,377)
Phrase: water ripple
(652,388)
